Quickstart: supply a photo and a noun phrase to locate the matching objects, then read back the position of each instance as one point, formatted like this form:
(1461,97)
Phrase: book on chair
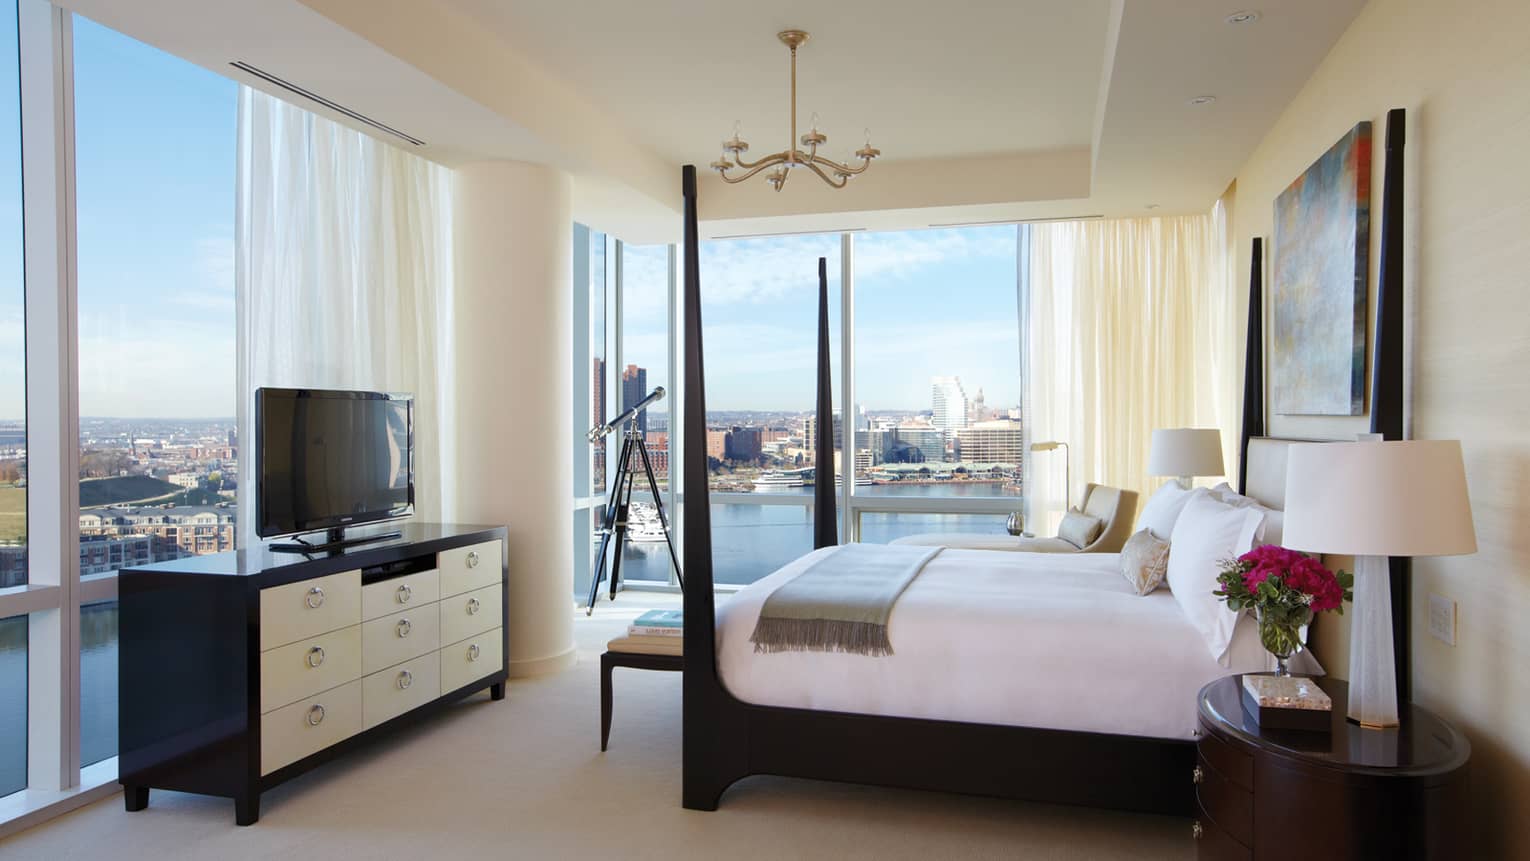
(658,623)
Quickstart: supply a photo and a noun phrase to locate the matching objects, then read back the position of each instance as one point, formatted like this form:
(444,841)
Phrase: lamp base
(1372,667)
(1185,482)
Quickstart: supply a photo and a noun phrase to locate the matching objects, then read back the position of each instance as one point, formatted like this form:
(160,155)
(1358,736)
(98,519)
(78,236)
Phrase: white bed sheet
(1047,640)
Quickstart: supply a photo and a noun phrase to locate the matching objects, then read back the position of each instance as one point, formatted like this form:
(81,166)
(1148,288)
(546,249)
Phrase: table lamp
(1372,500)
(1185,453)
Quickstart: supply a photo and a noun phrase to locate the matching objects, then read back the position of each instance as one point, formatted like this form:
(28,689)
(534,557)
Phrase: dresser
(1394,793)
(238,671)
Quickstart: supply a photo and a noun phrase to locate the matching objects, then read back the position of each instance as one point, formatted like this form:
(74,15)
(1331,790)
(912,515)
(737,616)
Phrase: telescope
(599,431)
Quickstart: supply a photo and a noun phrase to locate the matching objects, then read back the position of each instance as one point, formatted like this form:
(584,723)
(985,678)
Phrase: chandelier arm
(763,163)
(764,160)
(825,177)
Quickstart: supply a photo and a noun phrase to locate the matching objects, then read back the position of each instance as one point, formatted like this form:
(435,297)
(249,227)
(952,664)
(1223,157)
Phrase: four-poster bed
(727,738)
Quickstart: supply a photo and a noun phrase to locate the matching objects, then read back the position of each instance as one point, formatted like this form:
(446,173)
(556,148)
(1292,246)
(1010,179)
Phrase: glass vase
(1281,636)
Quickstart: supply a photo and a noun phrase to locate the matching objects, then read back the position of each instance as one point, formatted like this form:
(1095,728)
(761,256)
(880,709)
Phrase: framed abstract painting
(1318,274)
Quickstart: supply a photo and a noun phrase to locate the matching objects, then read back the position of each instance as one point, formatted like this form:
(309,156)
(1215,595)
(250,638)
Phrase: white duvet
(1026,639)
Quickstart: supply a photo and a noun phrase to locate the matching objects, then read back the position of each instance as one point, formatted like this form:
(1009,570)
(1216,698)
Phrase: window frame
(851,504)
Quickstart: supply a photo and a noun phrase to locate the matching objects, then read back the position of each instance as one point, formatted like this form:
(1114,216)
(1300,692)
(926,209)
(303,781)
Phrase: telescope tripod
(617,509)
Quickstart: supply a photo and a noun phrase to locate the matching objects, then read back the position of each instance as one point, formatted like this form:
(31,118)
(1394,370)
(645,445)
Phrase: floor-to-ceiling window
(937,341)
(931,336)
(155,141)
(13,426)
(761,324)
(645,349)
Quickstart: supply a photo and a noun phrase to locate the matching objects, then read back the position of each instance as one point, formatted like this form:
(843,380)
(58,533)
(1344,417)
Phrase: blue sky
(928,303)
(156,149)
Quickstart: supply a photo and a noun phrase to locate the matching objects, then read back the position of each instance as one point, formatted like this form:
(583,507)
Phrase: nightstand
(1353,793)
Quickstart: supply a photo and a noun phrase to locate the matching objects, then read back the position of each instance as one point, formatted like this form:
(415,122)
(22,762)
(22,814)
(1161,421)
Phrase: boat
(860,480)
(775,480)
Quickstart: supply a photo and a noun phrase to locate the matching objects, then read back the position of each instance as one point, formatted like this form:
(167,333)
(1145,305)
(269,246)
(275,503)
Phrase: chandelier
(792,157)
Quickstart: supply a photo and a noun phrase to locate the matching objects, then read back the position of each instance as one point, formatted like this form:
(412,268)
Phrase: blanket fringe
(820,635)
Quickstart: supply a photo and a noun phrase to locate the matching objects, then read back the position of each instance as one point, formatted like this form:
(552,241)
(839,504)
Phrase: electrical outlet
(1442,619)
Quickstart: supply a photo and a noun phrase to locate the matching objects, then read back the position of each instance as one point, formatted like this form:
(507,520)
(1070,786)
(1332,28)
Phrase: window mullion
(47,103)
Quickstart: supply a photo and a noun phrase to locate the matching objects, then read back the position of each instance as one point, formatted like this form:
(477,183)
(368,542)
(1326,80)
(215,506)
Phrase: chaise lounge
(1113,507)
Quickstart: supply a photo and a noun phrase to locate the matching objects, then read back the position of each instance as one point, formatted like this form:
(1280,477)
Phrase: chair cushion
(1145,561)
(647,645)
(1079,529)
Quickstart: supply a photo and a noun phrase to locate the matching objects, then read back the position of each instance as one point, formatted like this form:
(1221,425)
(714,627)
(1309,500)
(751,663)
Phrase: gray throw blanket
(842,602)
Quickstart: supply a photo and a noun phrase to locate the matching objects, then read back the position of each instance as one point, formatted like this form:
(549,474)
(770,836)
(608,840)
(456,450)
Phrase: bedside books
(658,623)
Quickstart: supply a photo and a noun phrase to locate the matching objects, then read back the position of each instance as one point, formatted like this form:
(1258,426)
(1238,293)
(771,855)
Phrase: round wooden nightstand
(1351,793)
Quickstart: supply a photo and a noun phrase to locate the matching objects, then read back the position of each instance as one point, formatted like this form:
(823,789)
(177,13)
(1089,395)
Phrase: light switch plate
(1442,618)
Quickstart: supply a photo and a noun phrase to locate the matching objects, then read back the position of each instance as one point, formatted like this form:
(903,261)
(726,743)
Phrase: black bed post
(713,746)
(1253,362)
(825,515)
(1387,369)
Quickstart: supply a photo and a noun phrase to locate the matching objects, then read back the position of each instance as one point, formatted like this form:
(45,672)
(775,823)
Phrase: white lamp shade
(1186,451)
(1404,498)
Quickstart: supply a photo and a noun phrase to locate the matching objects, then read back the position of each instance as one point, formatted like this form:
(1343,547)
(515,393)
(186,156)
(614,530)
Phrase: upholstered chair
(1116,509)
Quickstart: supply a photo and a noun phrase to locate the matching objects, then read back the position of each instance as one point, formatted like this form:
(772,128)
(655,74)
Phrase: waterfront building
(998,441)
(949,405)
(810,433)
(743,444)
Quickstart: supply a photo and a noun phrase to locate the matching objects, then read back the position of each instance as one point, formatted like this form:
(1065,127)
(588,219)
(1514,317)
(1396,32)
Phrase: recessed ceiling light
(1248,16)
(1203,100)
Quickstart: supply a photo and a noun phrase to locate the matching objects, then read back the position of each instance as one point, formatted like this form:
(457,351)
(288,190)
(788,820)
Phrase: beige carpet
(524,778)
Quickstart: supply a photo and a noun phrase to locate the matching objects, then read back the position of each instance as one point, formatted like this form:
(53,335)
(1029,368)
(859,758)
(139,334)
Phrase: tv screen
(328,459)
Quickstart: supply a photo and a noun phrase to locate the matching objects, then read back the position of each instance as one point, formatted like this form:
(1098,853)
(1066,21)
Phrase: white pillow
(1271,530)
(1162,509)
(1208,532)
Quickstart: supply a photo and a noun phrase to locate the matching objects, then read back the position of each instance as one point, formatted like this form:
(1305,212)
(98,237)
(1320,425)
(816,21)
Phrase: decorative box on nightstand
(1349,793)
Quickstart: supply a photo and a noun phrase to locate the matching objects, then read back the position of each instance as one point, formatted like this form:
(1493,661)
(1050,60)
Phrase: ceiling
(986,111)
(927,85)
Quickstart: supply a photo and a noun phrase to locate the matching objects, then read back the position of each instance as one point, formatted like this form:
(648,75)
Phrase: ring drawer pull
(405,593)
(473,606)
(315,657)
(315,598)
(316,715)
(404,627)
(1196,830)
(474,652)
(1197,776)
(405,679)
(472,559)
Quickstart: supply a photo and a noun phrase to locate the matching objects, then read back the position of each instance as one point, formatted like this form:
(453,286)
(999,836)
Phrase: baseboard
(544,666)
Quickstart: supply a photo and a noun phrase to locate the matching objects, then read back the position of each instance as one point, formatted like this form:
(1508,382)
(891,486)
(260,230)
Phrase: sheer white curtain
(1132,328)
(343,275)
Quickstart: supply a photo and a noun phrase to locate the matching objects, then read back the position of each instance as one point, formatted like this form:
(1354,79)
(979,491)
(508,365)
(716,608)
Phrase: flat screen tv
(331,459)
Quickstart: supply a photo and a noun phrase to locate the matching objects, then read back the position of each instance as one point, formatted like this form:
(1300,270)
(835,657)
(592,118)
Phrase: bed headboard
(1265,465)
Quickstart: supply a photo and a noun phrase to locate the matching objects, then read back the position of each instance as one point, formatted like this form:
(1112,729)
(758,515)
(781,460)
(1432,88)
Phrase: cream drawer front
(393,691)
(462,616)
(302,669)
(399,593)
(308,726)
(306,608)
(467,662)
(464,569)
(399,637)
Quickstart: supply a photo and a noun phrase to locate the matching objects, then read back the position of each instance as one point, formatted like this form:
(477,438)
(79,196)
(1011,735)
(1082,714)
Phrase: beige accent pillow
(1079,529)
(1145,561)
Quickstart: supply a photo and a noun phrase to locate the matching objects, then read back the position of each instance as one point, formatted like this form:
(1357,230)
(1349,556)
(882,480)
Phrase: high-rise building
(598,392)
(998,441)
(634,389)
(743,444)
(810,433)
(949,402)
(717,443)
(930,442)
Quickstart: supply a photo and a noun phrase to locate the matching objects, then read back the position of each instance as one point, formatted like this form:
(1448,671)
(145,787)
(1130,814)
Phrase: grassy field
(13,512)
(93,492)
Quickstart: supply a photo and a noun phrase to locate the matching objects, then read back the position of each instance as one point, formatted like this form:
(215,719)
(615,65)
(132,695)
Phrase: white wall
(511,420)
(1462,71)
